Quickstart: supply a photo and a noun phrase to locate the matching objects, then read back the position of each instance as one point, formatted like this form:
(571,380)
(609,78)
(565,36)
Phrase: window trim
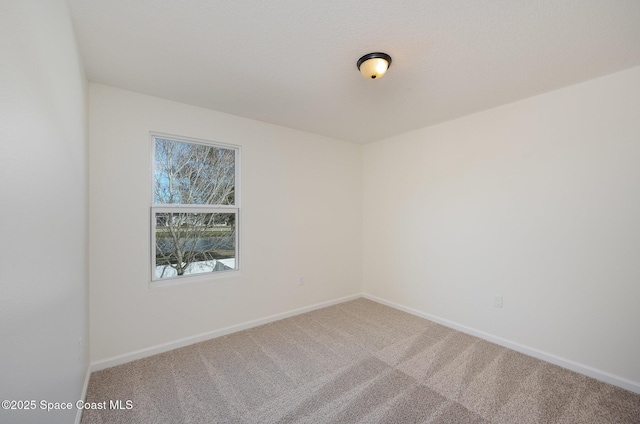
(191,208)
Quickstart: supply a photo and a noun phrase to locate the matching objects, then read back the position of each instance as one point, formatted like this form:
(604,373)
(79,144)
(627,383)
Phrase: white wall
(537,201)
(301,216)
(43,193)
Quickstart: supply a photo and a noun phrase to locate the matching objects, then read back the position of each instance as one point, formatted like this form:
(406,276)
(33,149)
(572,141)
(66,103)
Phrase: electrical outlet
(301,281)
(497,301)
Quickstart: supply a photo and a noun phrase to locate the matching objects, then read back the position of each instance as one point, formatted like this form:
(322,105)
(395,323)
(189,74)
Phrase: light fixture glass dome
(374,65)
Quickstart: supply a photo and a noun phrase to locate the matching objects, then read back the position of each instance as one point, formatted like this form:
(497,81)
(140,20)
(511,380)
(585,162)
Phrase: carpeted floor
(356,362)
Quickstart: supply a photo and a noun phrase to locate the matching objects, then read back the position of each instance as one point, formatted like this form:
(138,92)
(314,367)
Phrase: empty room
(292,211)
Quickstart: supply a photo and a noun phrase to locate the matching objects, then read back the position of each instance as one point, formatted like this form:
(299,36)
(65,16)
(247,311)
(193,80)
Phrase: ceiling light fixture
(374,65)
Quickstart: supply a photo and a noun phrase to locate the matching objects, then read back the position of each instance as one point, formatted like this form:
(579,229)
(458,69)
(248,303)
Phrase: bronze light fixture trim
(374,65)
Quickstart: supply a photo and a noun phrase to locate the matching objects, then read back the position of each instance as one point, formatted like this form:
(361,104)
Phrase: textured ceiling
(293,62)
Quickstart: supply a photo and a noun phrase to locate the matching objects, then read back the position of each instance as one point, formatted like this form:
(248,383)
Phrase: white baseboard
(83,395)
(548,357)
(165,347)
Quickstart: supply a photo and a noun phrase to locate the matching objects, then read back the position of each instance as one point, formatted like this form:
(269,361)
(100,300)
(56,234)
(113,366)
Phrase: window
(194,215)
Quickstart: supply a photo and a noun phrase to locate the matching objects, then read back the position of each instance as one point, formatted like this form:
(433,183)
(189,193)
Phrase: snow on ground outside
(165,271)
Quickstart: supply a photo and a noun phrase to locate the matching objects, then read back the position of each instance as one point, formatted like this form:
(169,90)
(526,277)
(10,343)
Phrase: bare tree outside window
(195,211)
(193,174)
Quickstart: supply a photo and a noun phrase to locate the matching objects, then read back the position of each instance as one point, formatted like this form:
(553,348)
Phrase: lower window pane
(194,243)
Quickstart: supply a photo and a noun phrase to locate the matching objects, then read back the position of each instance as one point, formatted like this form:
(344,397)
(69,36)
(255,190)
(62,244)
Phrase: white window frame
(194,208)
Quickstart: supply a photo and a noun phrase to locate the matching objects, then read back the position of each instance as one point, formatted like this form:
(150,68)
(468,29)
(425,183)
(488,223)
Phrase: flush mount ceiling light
(374,65)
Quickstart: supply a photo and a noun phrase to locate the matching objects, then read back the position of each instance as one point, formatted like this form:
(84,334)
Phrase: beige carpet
(356,362)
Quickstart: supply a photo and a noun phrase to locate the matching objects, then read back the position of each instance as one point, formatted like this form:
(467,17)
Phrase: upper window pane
(193,174)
